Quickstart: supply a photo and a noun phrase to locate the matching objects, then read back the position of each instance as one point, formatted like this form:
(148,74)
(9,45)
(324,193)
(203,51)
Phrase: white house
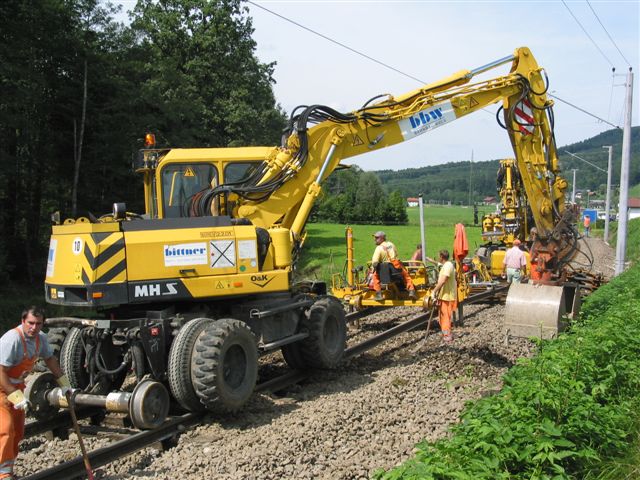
(412,202)
(634,208)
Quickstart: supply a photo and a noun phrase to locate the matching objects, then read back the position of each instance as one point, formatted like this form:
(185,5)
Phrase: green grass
(324,251)
(633,239)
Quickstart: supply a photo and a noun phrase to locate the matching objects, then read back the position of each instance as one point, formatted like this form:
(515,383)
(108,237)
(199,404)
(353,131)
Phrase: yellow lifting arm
(290,180)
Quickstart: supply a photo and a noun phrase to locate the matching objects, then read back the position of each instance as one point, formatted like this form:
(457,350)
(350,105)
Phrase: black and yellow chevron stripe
(104,259)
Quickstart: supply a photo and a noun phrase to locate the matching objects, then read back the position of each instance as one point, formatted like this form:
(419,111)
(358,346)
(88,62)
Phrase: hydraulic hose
(137,353)
(104,369)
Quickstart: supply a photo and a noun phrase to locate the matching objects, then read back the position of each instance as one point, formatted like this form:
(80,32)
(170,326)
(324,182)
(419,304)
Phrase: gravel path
(342,424)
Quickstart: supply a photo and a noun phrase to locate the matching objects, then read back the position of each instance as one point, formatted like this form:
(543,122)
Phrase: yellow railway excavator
(193,290)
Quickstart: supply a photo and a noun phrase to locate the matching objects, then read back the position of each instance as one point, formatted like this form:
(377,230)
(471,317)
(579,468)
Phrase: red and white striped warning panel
(524,117)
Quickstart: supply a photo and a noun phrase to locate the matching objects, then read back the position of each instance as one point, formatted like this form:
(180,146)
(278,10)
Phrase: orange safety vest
(22,369)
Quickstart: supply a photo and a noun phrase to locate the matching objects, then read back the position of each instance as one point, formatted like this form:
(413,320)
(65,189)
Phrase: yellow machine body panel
(191,252)
(83,254)
(79,258)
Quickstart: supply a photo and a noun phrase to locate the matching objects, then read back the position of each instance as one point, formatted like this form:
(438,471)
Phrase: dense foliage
(464,182)
(183,69)
(354,196)
(633,239)
(561,415)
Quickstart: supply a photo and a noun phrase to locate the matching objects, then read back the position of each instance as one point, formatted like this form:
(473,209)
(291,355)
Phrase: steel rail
(60,420)
(102,456)
(386,335)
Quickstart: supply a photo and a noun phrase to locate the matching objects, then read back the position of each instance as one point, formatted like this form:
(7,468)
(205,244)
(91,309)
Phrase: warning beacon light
(149,140)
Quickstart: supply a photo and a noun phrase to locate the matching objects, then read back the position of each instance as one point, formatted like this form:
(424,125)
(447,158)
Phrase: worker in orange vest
(445,295)
(20,347)
(386,252)
(587,225)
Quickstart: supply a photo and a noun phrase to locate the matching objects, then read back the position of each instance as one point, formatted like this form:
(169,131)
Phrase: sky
(430,40)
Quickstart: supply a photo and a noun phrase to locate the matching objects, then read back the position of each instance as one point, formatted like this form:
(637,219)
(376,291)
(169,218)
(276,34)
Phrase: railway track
(174,426)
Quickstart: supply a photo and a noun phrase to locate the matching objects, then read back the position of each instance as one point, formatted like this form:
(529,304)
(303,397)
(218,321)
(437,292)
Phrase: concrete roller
(538,310)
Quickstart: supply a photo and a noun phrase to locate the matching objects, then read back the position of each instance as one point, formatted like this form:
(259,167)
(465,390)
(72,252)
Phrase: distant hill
(450,182)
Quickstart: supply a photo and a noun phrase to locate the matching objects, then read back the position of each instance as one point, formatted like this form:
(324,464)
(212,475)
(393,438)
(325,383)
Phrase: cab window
(239,171)
(180,181)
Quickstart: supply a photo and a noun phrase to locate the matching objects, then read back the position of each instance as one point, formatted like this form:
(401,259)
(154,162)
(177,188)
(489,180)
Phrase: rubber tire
(327,327)
(225,365)
(55,338)
(73,360)
(179,365)
(292,354)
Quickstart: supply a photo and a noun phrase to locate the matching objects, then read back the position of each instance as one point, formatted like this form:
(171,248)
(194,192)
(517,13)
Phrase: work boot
(412,294)
(378,297)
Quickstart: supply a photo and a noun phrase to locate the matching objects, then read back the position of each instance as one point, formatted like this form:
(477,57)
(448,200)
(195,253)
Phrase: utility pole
(470,178)
(422,237)
(573,191)
(607,205)
(621,245)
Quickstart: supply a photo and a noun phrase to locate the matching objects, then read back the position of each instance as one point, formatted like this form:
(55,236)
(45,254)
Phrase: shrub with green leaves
(560,414)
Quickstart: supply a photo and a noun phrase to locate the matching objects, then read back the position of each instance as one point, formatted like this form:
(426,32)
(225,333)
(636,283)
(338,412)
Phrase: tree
(397,209)
(371,200)
(202,79)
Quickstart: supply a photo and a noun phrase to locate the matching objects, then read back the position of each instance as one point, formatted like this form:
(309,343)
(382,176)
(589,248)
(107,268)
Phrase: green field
(324,251)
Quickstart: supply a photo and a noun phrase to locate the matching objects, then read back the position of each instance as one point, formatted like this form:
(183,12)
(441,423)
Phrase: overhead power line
(584,111)
(337,43)
(395,69)
(587,34)
(605,31)
(585,161)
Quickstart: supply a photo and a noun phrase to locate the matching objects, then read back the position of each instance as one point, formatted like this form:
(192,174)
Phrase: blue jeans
(513,274)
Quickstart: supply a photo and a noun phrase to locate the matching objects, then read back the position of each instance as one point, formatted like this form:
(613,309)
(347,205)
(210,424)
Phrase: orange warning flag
(460,244)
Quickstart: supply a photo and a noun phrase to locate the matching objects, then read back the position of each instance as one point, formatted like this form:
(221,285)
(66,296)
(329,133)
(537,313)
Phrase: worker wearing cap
(386,252)
(515,263)
(445,295)
(20,347)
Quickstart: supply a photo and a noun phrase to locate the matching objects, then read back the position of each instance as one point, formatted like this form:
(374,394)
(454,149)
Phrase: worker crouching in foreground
(445,295)
(386,252)
(20,347)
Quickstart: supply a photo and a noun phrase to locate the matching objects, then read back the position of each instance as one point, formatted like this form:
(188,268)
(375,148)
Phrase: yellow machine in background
(511,221)
(192,290)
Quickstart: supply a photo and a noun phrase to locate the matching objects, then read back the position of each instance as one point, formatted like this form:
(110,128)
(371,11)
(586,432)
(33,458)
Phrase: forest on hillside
(464,182)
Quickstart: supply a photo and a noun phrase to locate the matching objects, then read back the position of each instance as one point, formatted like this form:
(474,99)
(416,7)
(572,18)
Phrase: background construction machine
(190,292)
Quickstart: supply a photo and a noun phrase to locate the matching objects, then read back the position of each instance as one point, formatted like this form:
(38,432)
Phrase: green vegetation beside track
(324,251)
(571,412)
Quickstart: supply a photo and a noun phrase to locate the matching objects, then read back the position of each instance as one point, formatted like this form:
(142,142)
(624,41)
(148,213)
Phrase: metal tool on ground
(426,337)
(70,396)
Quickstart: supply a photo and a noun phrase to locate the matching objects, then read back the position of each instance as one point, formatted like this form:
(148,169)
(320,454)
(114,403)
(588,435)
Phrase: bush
(560,414)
